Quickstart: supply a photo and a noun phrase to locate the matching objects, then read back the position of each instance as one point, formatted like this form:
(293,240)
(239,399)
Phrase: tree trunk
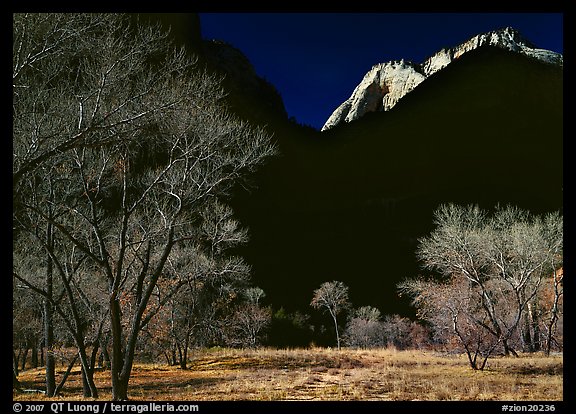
(15,382)
(537,339)
(122,360)
(15,359)
(508,349)
(50,371)
(24,357)
(119,389)
(526,334)
(65,376)
(184,355)
(554,312)
(88,384)
(50,360)
(34,360)
(85,386)
(524,323)
(534,318)
(105,356)
(337,333)
(167,356)
(173,352)
(181,362)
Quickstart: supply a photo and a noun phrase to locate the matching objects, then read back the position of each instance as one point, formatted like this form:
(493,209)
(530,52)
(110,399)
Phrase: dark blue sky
(316,59)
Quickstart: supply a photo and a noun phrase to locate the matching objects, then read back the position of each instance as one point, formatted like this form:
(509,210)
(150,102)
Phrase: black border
(295,6)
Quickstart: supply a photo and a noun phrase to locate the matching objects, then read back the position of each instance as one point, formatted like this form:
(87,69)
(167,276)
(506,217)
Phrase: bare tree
(453,309)
(206,281)
(143,143)
(403,333)
(364,328)
(76,299)
(367,328)
(254,295)
(46,53)
(493,269)
(27,326)
(333,298)
(553,226)
(554,312)
(248,325)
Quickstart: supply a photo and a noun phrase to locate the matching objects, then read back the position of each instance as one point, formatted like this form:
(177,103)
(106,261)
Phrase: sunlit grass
(328,374)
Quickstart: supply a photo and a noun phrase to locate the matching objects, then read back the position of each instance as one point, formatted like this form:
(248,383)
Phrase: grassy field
(328,374)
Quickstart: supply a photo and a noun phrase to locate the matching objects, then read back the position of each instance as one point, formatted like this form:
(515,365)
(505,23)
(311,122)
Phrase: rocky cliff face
(248,95)
(380,89)
(386,83)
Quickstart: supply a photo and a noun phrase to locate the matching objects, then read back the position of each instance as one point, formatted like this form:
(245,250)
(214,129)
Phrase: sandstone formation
(386,83)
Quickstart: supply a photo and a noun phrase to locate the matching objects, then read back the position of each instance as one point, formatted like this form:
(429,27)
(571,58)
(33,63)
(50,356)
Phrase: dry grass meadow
(328,374)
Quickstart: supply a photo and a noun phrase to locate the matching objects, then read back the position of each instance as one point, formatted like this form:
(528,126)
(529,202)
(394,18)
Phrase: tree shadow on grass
(141,384)
(242,363)
(178,386)
(531,370)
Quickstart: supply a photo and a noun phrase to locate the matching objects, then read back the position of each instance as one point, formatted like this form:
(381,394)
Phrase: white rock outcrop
(380,89)
(386,83)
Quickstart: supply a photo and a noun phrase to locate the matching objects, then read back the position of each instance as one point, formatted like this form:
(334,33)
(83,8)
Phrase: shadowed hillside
(349,204)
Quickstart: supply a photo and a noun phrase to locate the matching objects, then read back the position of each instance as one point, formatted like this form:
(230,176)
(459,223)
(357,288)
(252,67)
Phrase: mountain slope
(350,203)
(386,83)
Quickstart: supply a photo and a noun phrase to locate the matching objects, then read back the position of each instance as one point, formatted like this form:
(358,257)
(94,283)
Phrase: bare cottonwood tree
(333,298)
(27,322)
(206,280)
(367,328)
(143,144)
(401,332)
(454,310)
(254,294)
(248,325)
(75,297)
(364,328)
(493,268)
(45,46)
(553,314)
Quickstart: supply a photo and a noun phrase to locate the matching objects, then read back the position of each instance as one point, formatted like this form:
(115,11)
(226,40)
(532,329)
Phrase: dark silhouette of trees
(289,329)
